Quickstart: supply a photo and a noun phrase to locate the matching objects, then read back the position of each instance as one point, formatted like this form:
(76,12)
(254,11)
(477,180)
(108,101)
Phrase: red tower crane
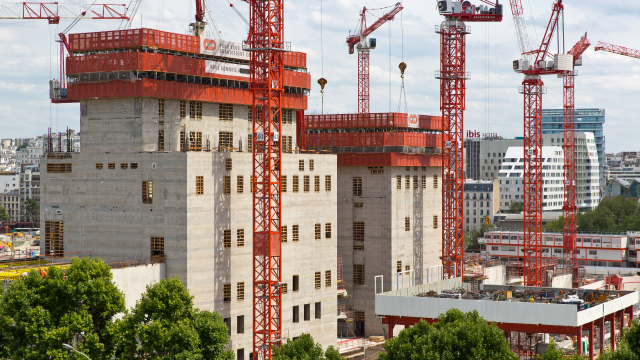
(200,25)
(266,44)
(359,40)
(534,64)
(453,78)
(615,49)
(569,209)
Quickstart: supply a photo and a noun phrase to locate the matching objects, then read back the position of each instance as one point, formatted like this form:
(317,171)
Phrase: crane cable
(402,67)
(322,81)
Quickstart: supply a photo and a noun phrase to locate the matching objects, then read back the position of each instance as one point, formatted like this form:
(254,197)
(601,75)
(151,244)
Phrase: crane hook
(322,82)
(402,67)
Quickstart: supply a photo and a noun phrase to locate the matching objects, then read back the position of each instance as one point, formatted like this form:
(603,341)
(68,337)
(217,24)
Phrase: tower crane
(54,12)
(199,25)
(266,46)
(615,49)
(533,64)
(569,209)
(358,40)
(453,76)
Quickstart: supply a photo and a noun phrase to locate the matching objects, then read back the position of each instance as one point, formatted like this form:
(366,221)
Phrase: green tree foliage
(78,304)
(554,353)
(32,208)
(23,146)
(472,236)
(516,207)
(613,214)
(628,346)
(4,215)
(456,336)
(303,348)
(165,326)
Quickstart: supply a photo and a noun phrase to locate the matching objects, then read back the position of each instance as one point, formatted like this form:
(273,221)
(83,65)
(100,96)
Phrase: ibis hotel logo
(477,134)
(209,45)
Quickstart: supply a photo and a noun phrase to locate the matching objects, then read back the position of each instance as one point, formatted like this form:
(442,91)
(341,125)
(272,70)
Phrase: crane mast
(569,209)
(359,41)
(453,76)
(266,45)
(199,25)
(533,88)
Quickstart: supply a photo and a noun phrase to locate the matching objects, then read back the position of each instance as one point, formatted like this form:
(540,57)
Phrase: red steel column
(569,210)
(612,328)
(601,327)
(579,342)
(452,77)
(266,45)
(533,88)
(363,81)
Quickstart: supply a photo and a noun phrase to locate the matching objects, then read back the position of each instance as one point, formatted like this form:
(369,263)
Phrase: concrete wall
(103,213)
(496,275)
(133,281)
(562,281)
(384,211)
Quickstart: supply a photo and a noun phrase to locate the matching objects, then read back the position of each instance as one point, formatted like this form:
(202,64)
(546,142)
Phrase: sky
(28,59)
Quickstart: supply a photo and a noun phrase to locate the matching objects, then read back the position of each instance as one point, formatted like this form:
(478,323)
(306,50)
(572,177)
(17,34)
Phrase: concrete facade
(206,230)
(482,199)
(389,196)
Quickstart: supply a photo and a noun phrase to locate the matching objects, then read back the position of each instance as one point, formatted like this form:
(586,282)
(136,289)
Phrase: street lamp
(70,348)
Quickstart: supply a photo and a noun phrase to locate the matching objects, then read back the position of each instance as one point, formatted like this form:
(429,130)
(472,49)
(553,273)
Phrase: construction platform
(552,310)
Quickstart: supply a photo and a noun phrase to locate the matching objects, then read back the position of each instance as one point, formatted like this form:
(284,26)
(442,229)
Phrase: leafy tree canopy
(516,207)
(613,214)
(456,336)
(32,207)
(165,326)
(554,353)
(628,346)
(4,216)
(76,305)
(303,348)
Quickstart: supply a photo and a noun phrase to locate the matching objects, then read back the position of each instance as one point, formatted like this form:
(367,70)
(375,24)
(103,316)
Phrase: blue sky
(28,60)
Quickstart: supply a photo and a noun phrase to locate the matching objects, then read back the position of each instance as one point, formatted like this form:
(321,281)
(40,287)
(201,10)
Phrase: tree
(516,207)
(456,335)
(472,236)
(32,208)
(23,146)
(554,353)
(75,305)
(164,326)
(628,346)
(4,216)
(612,214)
(303,348)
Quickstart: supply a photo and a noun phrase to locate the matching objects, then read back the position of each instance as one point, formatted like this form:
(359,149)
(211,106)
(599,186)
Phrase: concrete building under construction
(389,204)
(165,175)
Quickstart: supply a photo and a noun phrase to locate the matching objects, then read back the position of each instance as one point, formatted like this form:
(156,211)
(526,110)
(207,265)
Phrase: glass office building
(587,120)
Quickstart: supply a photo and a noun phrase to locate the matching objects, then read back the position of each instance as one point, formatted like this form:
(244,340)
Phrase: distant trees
(474,235)
(516,207)
(4,215)
(612,214)
(32,209)
(456,335)
(628,346)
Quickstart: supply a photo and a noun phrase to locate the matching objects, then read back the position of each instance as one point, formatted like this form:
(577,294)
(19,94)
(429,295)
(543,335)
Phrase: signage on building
(221,68)
(223,48)
(477,134)
(412,121)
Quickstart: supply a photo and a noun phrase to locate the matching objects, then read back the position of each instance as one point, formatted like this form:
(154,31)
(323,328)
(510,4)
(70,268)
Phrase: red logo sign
(476,134)
(209,45)
(413,119)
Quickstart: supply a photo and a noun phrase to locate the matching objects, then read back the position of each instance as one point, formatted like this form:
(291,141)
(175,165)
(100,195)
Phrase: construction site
(198,161)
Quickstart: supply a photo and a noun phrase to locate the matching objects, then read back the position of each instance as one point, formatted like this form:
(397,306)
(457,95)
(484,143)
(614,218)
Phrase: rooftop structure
(520,309)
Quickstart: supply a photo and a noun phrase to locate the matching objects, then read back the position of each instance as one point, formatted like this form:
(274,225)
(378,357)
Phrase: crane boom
(580,47)
(521,28)
(366,31)
(616,49)
(54,12)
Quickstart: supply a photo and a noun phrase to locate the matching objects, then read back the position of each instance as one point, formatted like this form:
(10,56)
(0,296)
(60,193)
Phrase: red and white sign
(412,121)
(223,48)
(222,68)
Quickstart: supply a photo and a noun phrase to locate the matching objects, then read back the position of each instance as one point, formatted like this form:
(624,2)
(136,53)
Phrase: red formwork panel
(173,90)
(389,159)
(373,120)
(376,139)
